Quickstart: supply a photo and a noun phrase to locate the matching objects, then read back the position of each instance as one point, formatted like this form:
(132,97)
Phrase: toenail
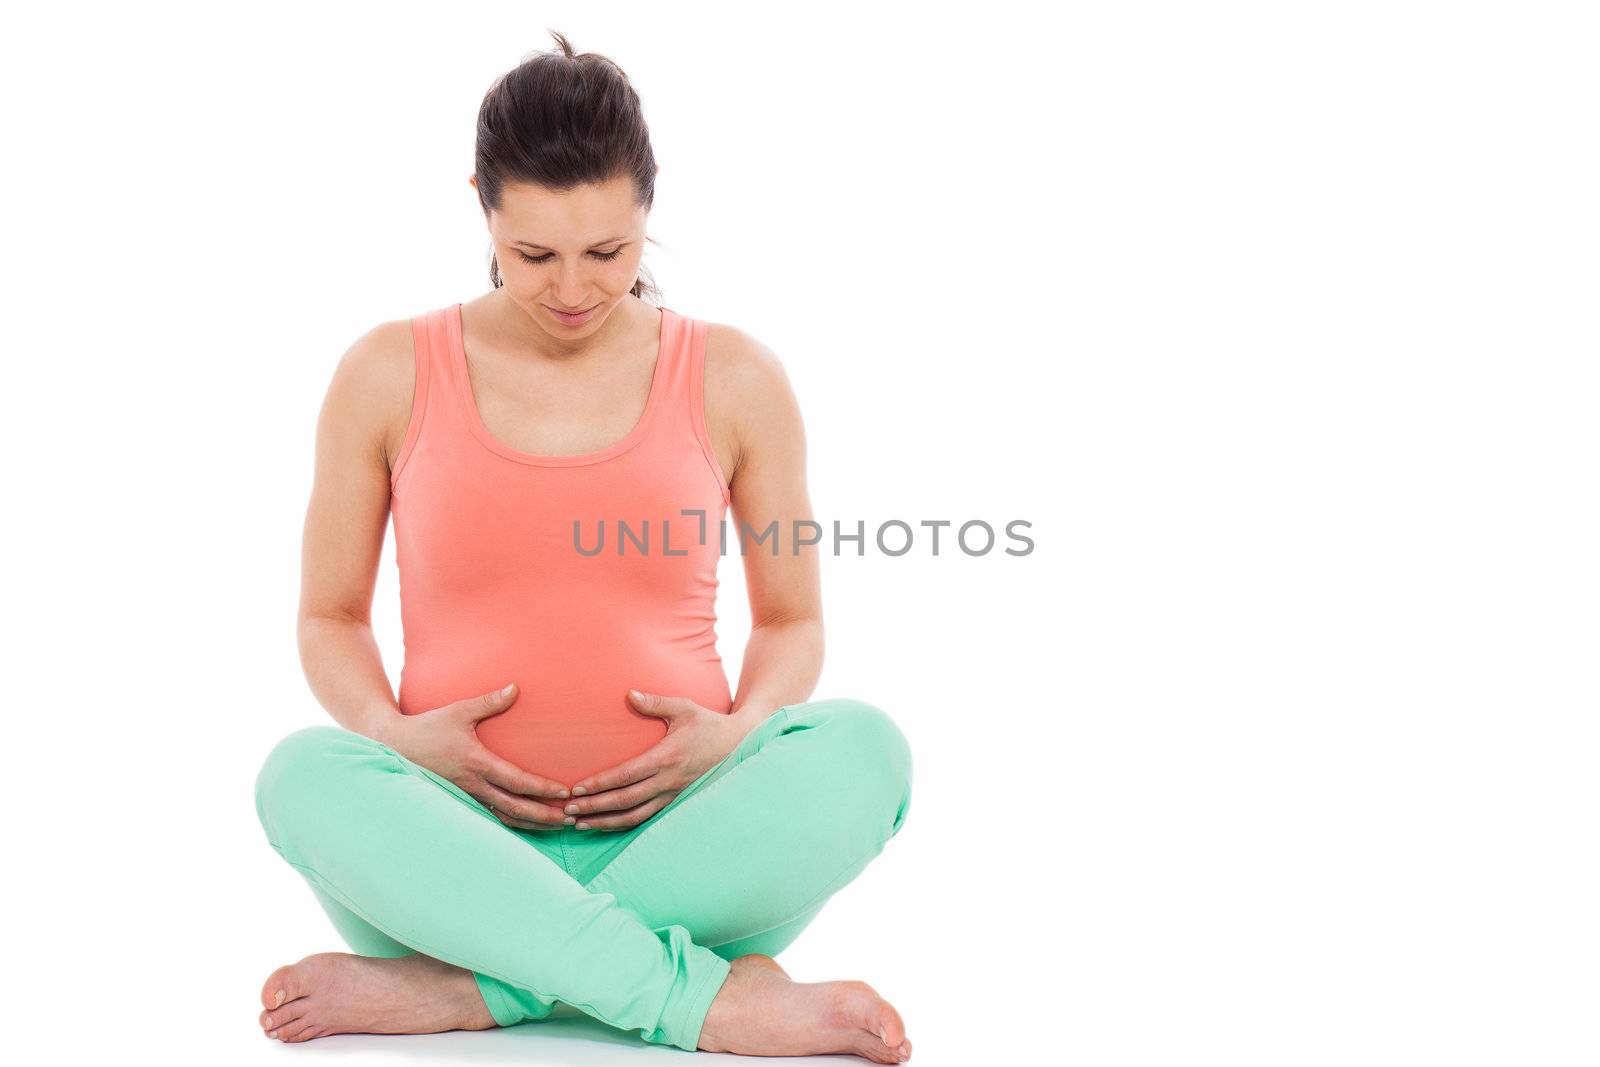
(883,1036)
(269,1022)
(273,1034)
(280,998)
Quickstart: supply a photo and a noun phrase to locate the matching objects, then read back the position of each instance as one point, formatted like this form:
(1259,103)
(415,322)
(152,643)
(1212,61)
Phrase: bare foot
(337,993)
(767,962)
(760,1011)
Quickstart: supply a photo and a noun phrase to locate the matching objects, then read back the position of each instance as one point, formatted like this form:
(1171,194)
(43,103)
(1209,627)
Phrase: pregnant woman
(566,803)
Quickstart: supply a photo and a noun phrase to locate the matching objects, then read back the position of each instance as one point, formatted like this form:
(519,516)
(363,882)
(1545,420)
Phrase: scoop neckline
(480,429)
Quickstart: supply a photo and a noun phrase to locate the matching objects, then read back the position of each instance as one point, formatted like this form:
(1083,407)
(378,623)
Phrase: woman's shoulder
(741,368)
(382,361)
(747,389)
(374,382)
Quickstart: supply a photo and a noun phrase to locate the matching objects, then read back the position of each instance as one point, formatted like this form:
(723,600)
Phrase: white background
(1277,322)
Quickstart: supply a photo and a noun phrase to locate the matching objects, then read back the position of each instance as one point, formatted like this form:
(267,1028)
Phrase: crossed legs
(638,929)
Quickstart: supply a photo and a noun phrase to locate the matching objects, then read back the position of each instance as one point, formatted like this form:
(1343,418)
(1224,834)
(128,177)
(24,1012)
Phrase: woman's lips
(571,318)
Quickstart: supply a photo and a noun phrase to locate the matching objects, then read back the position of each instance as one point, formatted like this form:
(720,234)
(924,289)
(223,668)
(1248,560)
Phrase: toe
(279,988)
(300,1030)
(875,1051)
(890,1030)
(888,1033)
(285,1017)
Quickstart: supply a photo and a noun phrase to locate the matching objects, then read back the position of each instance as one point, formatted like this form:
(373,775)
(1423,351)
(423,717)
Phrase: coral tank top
(577,577)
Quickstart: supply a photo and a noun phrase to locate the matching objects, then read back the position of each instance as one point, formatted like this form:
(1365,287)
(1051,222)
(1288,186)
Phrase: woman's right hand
(445,741)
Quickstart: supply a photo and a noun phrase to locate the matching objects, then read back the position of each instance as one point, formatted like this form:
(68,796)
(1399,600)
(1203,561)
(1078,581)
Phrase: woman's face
(577,250)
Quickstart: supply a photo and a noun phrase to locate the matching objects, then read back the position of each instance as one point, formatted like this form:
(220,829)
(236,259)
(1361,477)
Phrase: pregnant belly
(572,716)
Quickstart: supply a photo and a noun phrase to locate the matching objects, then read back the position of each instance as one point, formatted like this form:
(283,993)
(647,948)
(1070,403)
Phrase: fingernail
(563,794)
(579,791)
(507,690)
(583,826)
(635,693)
(571,809)
(569,820)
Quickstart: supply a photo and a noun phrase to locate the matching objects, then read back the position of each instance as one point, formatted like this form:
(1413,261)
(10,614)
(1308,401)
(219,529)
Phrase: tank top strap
(677,335)
(683,342)
(448,348)
(430,362)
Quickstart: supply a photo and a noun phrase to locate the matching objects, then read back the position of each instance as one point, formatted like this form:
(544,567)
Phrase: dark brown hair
(560,120)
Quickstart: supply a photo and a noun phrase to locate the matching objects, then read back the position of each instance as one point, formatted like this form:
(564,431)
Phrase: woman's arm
(367,406)
(782,662)
(748,391)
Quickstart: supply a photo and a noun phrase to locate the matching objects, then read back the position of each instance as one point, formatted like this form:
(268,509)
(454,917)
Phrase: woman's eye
(546,257)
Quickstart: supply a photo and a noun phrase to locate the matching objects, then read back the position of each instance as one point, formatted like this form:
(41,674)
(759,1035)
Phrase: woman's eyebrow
(543,248)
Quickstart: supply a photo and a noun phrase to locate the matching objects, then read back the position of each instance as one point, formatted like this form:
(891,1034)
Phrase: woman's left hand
(629,793)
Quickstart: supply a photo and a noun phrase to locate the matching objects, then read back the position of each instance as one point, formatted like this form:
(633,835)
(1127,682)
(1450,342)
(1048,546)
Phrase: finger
(481,707)
(508,776)
(519,807)
(627,819)
(662,706)
(523,824)
(637,769)
(616,799)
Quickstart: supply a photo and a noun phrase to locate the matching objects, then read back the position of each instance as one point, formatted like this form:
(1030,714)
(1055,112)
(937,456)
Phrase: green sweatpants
(634,927)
